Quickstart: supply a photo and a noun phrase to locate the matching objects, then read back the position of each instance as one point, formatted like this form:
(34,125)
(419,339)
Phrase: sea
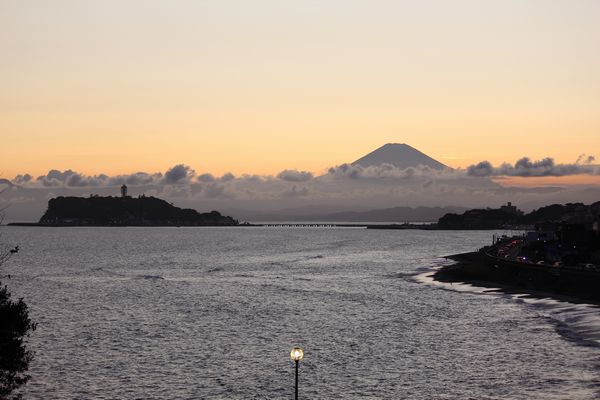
(213,312)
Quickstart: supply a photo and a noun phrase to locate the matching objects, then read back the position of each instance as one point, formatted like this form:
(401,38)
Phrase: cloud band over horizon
(184,174)
(526,168)
(345,185)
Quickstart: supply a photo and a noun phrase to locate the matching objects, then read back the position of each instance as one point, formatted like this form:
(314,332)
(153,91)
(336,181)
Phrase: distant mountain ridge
(393,214)
(400,155)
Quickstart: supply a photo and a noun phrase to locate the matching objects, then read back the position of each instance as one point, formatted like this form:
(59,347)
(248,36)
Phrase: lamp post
(296,355)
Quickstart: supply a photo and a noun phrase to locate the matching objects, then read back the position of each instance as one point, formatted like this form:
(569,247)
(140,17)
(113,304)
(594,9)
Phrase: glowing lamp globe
(296,354)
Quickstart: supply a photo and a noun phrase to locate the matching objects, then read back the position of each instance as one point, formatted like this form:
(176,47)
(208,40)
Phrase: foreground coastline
(483,269)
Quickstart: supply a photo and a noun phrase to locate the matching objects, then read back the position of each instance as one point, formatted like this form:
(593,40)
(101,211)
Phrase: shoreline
(473,272)
(37,225)
(246,224)
(375,226)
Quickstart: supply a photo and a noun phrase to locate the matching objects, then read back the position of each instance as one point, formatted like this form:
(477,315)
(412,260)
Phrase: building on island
(124,190)
(509,208)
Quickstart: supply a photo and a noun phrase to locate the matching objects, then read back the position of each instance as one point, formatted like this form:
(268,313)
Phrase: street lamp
(296,355)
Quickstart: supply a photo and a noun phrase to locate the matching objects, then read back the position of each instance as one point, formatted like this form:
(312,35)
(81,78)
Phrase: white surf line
(580,318)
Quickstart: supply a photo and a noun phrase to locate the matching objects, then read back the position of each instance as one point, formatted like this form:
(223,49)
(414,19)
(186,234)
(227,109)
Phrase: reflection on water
(167,313)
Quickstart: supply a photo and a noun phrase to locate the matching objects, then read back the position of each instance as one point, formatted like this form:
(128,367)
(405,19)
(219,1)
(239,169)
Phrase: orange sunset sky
(261,86)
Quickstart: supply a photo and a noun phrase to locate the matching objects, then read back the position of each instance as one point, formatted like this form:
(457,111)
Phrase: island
(125,211)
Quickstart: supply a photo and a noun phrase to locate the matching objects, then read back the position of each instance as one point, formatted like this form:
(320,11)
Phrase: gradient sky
(261,86)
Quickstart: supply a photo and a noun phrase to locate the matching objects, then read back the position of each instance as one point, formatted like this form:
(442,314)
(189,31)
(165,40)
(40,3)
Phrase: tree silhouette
(14,357)
(15,327)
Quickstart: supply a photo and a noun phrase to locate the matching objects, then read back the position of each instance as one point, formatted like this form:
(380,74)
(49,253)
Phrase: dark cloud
(55,178)
(227,177)
(482,169)
(251,178)
(55,174)
(180,173)
(205,178)
(524,167)
(214,190)
(294,191)
(293,175)
(181,191)
(77,180)
(69,178)
(142,178)
(345,171)
(22,179)
(136,179)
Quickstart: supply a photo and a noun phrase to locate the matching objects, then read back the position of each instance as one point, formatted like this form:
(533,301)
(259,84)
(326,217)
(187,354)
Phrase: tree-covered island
(126,211)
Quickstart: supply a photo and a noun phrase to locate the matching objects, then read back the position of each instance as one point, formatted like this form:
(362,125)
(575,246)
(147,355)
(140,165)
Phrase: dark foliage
(570,213)
(15,327)
(478,219)
(559,212)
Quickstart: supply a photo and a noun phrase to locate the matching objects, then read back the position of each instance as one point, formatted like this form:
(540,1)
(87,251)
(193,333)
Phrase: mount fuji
(400,155)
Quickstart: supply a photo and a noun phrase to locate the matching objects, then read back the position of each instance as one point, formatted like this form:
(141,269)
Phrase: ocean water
(212,313)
